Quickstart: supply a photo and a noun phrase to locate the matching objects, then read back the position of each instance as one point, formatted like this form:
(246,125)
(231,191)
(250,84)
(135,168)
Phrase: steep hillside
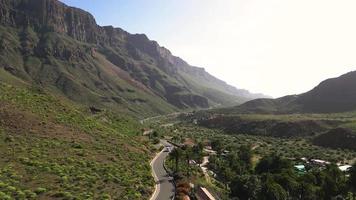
(332,95)
(61,48)
(52,149)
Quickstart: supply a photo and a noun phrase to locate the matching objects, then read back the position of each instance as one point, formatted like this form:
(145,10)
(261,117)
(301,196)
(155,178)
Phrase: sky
(275,47)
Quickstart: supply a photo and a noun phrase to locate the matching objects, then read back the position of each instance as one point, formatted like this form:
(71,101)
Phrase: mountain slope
(61,48)
(332,95)
(52,149)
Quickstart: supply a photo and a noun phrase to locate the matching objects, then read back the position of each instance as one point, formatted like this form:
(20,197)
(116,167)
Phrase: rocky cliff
(50,44)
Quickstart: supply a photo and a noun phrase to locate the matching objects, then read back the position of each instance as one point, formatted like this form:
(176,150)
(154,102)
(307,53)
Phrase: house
(300,168)
(319,162)
(345,168)
(203,194)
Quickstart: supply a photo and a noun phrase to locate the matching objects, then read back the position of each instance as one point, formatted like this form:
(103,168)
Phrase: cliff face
(53,45)
(52,16)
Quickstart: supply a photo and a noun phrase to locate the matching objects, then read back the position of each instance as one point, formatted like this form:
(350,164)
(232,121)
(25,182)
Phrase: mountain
(62,49)
(332,95)
(70,95)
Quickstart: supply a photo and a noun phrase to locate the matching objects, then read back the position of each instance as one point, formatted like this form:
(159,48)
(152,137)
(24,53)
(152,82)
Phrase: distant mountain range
(325,114)
(330,96)
(46,44)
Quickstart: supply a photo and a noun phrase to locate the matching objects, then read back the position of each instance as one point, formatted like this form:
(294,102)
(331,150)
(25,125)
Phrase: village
(301,166)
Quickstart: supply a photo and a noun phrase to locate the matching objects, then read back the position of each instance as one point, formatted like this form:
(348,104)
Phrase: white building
(345,168)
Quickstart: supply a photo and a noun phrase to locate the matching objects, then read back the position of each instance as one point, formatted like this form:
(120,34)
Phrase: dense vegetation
(51,148)
(185,171)
(260,167)
(335,130)
(275,178)
(295,147)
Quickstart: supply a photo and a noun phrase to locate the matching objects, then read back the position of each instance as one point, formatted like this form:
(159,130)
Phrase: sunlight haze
(275,47)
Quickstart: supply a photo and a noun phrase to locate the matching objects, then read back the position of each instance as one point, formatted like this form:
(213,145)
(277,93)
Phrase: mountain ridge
(40,34)
(329,96)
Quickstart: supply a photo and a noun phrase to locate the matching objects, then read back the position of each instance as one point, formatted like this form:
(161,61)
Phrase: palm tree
(352,179)
(188,156)
(176,154)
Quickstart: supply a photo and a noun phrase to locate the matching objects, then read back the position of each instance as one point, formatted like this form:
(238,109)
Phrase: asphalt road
(165,187)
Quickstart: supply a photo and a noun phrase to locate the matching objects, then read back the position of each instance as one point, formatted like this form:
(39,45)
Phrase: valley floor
(221,150)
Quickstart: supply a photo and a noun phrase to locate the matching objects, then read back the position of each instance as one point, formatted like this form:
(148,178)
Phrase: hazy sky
(276,47)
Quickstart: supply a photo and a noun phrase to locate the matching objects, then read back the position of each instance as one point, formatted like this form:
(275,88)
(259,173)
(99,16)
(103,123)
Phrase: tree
(188,156)
(175,139)
(155,134)
(272,190)
(227,175)
(217,145)
(288,181)
(197,153)
(352,180)
(236,164)
(329,188)
(307,189)
(245,187)
(333,182)
(176,154)
(245,155)
(273,164)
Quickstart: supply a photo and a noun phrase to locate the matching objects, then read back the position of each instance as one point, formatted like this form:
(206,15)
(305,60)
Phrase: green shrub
(4,196)
(30,195)
(40,190)
(156,141)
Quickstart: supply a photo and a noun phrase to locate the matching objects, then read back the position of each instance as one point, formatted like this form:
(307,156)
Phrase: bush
(4,196)
(30,195)
(156,141)
(40,190)
(106,197)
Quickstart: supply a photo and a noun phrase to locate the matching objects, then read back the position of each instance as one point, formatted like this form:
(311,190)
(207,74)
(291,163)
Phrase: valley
(233,155)
(95,112)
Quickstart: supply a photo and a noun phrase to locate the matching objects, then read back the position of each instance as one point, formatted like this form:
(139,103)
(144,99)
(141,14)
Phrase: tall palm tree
(188,156)
(176,154)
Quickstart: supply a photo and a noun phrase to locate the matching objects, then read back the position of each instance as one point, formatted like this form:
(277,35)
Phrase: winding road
(164,183)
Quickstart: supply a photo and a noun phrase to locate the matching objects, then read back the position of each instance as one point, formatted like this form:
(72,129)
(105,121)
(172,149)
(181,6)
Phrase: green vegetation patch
(50,148)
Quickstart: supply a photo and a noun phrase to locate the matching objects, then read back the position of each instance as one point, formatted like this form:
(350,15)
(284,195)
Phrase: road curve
(164,183)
